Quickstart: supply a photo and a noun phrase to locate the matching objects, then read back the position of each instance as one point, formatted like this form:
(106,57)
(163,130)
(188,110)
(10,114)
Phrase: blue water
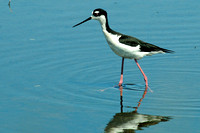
(55,78)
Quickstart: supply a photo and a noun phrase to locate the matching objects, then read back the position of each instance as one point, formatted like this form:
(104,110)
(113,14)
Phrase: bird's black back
(144,46)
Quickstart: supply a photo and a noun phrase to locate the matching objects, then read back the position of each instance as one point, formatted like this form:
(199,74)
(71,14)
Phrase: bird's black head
(98,14)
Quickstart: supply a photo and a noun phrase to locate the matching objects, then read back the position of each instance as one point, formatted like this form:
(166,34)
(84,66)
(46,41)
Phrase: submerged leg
(145,77)
(122,67)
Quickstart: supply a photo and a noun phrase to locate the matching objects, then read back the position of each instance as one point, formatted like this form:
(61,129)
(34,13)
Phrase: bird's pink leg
(121,77)
(145,77)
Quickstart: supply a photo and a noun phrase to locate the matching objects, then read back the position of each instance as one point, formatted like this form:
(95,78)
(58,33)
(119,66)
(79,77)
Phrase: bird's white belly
(122,49)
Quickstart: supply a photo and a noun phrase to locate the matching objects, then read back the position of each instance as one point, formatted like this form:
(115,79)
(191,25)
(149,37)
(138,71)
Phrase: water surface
(55,78)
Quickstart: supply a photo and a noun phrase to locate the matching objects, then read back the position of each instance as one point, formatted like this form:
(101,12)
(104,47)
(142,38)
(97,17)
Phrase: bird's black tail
(166,50)
(147,47)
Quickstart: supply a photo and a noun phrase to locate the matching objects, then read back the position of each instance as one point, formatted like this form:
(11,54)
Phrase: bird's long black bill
(83,22)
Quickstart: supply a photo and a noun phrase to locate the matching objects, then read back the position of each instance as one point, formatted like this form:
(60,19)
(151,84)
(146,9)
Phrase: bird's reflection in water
(129,122)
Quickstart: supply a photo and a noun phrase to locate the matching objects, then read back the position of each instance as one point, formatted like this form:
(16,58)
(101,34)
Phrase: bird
(125,46)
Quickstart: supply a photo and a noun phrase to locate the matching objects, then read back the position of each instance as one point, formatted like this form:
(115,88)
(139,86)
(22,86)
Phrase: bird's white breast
(122,49)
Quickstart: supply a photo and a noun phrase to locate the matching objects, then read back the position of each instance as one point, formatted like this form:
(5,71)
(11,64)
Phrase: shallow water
(55,78)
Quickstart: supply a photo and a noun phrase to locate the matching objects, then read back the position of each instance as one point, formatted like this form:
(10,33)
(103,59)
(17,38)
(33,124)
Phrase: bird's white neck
(103,22)
(103,26)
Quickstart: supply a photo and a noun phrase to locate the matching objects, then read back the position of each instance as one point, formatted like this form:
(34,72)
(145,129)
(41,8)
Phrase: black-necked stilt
(124,45)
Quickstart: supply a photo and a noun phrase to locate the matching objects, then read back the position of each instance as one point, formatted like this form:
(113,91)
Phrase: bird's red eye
(96,14)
